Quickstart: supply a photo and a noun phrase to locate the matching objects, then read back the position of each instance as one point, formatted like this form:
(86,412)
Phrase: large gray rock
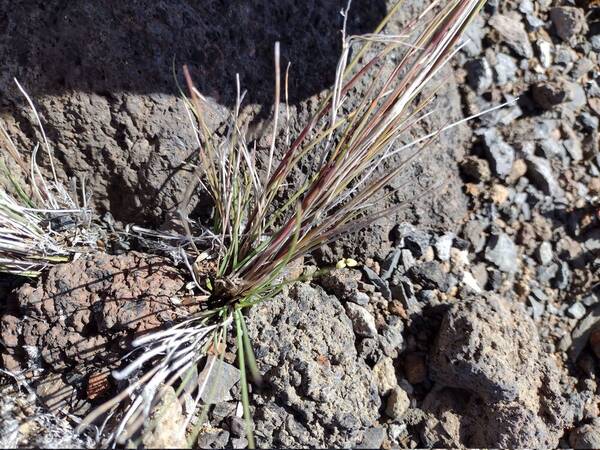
(320,393)
(488,346)
(456,420)
(504,390)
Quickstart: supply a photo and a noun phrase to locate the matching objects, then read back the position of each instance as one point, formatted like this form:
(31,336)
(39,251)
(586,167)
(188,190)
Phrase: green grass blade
(243,379)
(251,362)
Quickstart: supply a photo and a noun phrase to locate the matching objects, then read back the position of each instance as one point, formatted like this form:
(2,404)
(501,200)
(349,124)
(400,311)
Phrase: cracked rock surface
(87,311)
(320,392)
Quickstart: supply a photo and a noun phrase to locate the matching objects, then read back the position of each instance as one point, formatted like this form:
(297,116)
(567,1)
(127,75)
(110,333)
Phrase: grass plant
(256,235)
(41,223)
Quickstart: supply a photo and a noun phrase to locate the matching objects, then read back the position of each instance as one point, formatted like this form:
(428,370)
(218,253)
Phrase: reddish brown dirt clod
(88,311)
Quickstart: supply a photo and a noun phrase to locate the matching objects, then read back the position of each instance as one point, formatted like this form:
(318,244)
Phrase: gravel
(568,21)
(479,74)
(500,155)
(541,173)
(512,32)
(397,403)
(502,251)
(362,321)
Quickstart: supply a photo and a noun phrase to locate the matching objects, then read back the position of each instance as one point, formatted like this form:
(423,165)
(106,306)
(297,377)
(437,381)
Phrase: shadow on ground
(106,47)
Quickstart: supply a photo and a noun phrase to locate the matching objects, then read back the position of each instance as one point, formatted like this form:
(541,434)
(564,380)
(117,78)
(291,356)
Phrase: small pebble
(502,251)
(429,255)
(537,308)
(512,31)
(545,52)
(567,20)
(372,438)
(407,259)
(541,173)
(519,168)
(500,155)
(443,245)
(499,194)
(476,168)
(547,95)
(544,253)
(395,430)
(360,298)
(397,403)
(479,74)
(385,375)
(576,310)
(362,320)
(470,282)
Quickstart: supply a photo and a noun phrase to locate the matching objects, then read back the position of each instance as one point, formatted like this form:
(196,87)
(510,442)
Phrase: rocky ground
(473,319)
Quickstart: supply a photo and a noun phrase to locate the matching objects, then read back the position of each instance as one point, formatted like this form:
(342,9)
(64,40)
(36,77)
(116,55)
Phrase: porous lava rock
(319,393)
(500,388)
(86,312)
